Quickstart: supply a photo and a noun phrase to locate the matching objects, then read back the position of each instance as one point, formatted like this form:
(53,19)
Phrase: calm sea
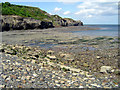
(105,30)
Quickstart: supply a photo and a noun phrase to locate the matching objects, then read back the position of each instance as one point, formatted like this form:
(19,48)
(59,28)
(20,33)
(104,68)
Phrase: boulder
(106,69)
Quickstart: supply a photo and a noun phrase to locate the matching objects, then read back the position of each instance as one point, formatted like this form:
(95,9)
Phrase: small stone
(35,75)
(13,76)
(98,57)
(76,84)
(53,76)
(19,86)
(25,72)
(41,79)
(5,67)
(95,85)
(17,63)
(2,86)
(17,80)
(81,87)
(68,85)
(85,65)
(56,81)
(24,81)
(4,76)
(33,61)
(46,58)
(8,79)
(28,69)
(62,82)
(23,77)
(28,77)
(50,52)
(58,85)
(51,57)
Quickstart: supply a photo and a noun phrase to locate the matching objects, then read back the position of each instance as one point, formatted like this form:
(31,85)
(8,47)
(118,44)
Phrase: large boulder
(106,69)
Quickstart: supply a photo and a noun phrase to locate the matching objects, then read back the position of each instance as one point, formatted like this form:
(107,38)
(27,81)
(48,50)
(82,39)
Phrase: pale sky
(90,12)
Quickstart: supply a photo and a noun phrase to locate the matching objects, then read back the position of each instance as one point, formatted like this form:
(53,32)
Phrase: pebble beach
(53,58)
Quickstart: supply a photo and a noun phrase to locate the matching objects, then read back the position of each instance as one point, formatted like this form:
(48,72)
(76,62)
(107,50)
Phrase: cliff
(17,17)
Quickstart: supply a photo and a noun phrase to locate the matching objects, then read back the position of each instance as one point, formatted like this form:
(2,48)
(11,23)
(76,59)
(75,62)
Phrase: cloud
(64,1)
(50,13)
(67,12)
(57,9)
(97,8)
(89,16)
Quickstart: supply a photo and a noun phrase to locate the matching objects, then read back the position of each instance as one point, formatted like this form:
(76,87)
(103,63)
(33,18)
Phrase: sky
(89,12)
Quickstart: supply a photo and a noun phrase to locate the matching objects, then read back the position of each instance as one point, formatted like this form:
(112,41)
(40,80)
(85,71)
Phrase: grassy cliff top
(27,11)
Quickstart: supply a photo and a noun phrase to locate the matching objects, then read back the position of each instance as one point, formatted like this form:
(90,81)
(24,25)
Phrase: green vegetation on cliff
(25,11)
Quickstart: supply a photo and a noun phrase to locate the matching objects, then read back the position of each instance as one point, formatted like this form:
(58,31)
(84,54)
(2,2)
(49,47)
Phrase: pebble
(95,85)
(33,61)
(28,77)
(81,87)
(2,86)
(35,75)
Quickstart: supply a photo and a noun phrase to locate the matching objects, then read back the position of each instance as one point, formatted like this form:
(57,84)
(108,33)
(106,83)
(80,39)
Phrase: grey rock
(105,69)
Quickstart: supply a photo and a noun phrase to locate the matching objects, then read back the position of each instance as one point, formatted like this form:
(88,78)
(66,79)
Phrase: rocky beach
(53,58)
(43,50)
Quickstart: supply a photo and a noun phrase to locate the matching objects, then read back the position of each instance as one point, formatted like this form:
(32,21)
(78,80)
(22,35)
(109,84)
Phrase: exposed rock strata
(11,22)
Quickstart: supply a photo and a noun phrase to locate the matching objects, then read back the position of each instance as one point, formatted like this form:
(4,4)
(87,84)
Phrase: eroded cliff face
(66,21)
(72,22)
(12,22)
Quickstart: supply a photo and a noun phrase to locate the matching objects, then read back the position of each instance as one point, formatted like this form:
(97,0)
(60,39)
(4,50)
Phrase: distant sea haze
(105,30)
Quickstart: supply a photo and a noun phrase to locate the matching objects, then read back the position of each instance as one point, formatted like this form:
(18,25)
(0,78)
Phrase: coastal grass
(28,11)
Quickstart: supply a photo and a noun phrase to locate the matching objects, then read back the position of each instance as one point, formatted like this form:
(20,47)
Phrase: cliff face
(12,22)
(72,22)
(16,17)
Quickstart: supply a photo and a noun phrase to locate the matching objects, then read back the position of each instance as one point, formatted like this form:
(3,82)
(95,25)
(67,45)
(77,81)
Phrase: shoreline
(67,28)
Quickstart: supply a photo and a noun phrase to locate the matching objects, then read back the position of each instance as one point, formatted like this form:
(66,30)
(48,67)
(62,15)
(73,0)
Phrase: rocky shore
(28,67)
(70,62)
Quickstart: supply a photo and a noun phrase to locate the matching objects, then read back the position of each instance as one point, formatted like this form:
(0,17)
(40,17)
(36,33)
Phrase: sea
(104,30)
